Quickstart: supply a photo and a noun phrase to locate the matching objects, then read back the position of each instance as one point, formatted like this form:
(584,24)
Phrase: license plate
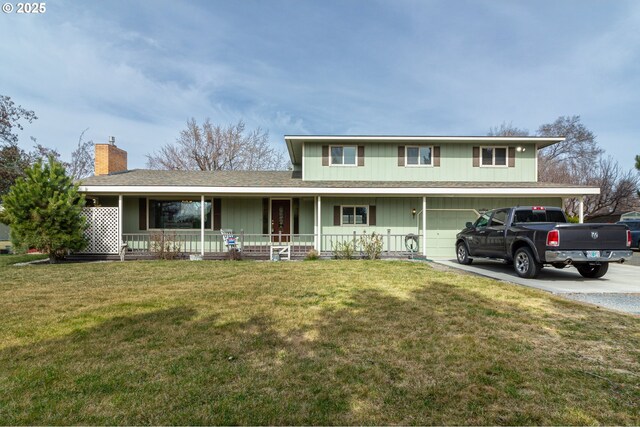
(593,254)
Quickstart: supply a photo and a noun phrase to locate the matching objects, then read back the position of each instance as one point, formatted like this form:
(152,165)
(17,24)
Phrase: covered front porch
(140,225)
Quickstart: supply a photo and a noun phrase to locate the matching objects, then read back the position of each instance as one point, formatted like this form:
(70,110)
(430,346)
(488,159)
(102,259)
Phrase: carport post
(581,209)
(424,225)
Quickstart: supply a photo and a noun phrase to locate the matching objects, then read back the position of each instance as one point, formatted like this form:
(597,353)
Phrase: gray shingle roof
(164,178)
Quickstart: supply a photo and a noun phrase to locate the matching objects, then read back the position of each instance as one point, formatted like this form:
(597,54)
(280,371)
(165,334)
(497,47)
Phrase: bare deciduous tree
(577,153)
(213,147)
(10,116)
(617,190)
(638,168)
(507,129)
(82,161)
(578,160)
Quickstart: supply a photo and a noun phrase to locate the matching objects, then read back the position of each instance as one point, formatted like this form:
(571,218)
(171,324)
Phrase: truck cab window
(483,220)
(499,218)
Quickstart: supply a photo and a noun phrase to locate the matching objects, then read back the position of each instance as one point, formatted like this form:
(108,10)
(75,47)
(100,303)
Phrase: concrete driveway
(619,289)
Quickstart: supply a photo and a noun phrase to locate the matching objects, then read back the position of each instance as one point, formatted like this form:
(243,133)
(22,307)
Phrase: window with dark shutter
(296,216)
(360,155)
(372,215)
(142,214)
(401,155)
(325,155)
(512,157)
(265,216)
(336,215)
(436,156)
(476,157)
(217,214)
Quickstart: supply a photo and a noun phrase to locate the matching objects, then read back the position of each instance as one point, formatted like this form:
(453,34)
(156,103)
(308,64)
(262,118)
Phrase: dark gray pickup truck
(533,236)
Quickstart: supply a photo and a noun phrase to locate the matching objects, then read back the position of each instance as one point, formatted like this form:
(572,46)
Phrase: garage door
(442,227)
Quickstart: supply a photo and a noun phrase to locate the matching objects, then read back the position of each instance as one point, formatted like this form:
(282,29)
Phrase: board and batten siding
(456,164)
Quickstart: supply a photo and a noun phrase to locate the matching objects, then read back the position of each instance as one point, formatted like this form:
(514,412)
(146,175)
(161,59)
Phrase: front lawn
(331,342)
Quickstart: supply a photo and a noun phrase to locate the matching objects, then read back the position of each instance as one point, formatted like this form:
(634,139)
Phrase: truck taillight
(553,238)
(628,238)
(537,208)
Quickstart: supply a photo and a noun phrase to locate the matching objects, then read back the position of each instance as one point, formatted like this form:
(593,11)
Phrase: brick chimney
(109,158)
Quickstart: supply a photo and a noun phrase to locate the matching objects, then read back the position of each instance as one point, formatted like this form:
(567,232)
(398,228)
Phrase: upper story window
(344,155)
(493,156)
(419,156)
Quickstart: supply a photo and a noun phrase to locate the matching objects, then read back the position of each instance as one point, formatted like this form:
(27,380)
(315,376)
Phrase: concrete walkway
(619,289)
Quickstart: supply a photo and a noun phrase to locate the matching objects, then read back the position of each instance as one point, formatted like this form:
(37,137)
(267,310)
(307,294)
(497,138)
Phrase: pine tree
(44,211)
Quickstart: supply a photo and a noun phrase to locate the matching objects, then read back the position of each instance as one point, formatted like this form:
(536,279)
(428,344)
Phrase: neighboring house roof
(294,142)
(280,182)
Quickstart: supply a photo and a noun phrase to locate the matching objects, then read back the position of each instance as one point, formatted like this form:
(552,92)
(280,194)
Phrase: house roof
(142,181)
(294,142)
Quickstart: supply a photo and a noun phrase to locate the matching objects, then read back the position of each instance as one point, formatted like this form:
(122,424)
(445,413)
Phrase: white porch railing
(189,242)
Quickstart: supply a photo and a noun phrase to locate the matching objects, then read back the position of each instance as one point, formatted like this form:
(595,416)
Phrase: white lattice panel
(102,233)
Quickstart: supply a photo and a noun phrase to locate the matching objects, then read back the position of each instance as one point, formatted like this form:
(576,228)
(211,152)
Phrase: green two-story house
(416,192)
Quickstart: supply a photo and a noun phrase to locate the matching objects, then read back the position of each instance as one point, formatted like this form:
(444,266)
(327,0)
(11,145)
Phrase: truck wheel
(463,254)
(593,271)
(525,263)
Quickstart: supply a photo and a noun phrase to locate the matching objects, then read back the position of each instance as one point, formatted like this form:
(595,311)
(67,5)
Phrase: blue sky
(139,70)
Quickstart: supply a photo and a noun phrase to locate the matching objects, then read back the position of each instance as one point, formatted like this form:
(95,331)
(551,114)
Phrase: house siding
(456,164)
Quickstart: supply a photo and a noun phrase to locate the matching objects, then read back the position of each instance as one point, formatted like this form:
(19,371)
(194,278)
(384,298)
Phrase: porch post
(581,209)
(424,225)
(315,223)
(202,225)
(120,207)
(319,209)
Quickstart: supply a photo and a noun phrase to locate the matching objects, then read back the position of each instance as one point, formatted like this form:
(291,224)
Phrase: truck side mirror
(469,225)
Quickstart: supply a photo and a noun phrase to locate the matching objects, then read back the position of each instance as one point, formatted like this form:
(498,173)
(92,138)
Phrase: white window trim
(493,157)
(354,215)
(406,156)
(173,199)
(342,164)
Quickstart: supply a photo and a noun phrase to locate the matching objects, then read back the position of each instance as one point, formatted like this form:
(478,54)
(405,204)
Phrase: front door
(280,219)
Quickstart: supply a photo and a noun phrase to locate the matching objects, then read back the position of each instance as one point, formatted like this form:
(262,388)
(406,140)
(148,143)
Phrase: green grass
(6,260)
(330,342)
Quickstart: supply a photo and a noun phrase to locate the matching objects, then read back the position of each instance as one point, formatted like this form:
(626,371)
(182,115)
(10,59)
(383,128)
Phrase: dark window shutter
(372,215)
(142,214)
(217,214)
(401,155)
(436,156)
(476,157)
(512,157)
(265,216)
(296,216)
(336,215)
(325,155)
(360,155)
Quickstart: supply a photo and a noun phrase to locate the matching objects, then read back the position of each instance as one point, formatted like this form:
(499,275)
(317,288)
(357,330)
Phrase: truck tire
(593,271)
(462,253)
(525,263)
